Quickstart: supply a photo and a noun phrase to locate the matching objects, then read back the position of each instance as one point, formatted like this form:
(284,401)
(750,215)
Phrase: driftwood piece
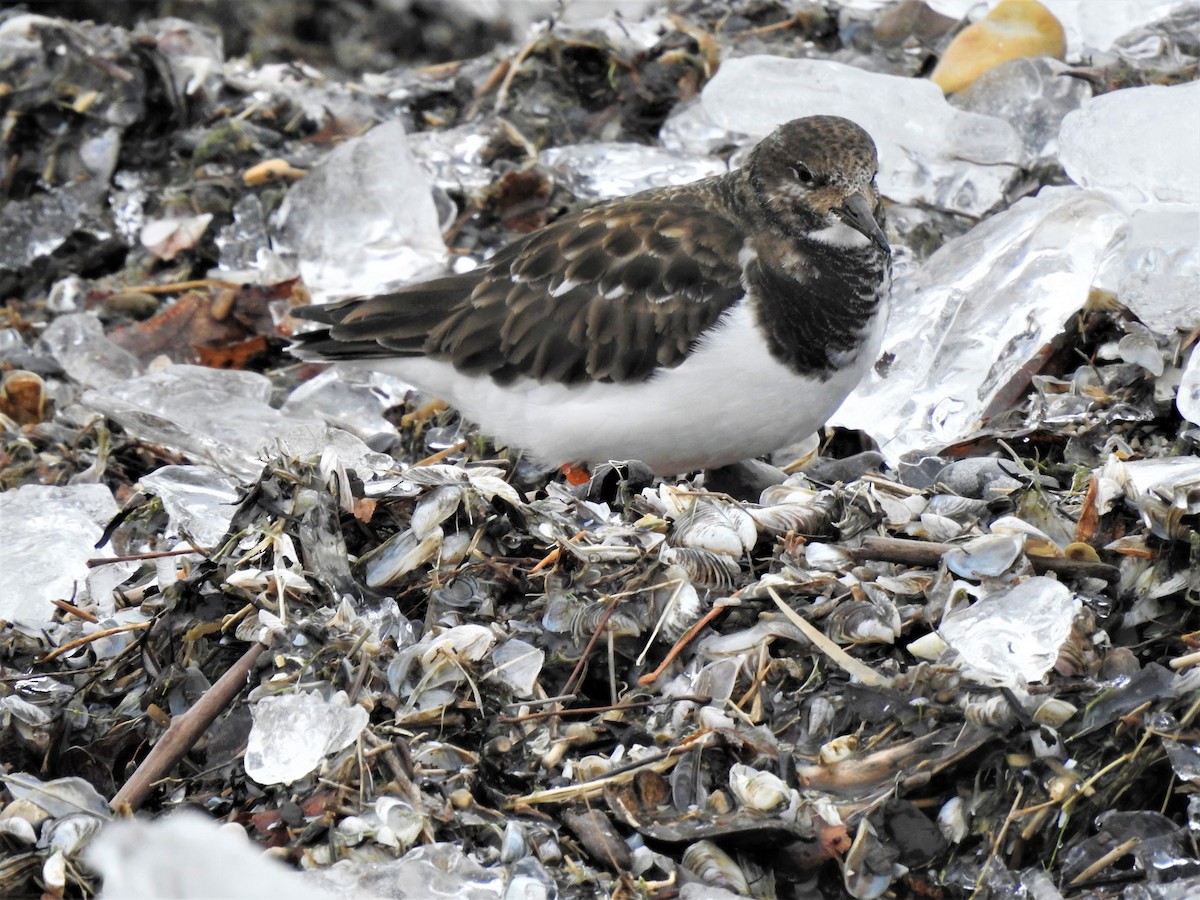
(183,732)
(928,553)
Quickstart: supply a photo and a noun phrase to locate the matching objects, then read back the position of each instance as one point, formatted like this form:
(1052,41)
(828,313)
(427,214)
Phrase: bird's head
(815,178)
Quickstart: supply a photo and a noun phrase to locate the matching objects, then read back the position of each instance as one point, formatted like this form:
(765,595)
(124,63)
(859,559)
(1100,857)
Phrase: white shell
(756,789)
(399,555)
(435,508)
(723,528)
(715,867)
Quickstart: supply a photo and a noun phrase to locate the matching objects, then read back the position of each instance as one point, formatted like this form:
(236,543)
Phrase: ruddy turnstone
(688,327)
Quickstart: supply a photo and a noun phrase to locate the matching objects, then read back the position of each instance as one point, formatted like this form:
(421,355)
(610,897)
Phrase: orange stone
(1015,29)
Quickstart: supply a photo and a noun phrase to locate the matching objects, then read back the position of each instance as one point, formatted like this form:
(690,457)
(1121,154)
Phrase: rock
(1013,30)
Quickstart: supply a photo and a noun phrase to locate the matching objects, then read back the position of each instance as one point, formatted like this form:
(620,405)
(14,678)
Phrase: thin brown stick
(688,637)
(181,286)
(184,730)
(435,458)
(1106,860)
(95,636)
(138,557)
(929,553)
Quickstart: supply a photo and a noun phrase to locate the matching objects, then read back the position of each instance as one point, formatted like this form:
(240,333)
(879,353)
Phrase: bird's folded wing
(607,294)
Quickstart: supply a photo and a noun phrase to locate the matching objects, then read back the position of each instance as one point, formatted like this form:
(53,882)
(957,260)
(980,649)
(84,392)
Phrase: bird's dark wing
(607,294)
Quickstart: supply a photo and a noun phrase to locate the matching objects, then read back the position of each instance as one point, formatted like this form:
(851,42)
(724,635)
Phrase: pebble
(1015,29)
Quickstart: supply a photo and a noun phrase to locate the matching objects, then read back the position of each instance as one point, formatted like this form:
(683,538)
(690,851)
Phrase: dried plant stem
(183,732)
(928,553)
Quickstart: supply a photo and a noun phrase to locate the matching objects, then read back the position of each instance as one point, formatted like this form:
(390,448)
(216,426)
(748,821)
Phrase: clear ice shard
(930,152)
(998,293)
(293,732)
(363,221)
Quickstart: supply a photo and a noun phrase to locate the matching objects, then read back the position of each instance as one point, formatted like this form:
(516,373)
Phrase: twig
(138,557)
(1106,860)
(651,677)
(929,553)
(95,636)
(440,455)
(184,730)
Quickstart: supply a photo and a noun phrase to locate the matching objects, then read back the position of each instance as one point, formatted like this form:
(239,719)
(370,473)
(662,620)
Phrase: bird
(689,327)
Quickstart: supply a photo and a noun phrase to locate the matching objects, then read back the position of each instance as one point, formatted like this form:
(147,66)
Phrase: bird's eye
(803,174)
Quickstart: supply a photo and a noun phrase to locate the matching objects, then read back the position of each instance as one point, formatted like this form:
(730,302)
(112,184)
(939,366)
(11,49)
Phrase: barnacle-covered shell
(870,865)
(791,491)
(837,749)
(469,643)
(794,507)
(954,820)
(928,646)
(718,528)
(963,510)
(431,476)
(675,603)
(828,557)
(1054,712)
(1036,541)
(984,557)
(703,567)
(898,510)
(993,710)
(715,867)
(906,584)
(863,622)
(933,527)
(589,768)
(566,615)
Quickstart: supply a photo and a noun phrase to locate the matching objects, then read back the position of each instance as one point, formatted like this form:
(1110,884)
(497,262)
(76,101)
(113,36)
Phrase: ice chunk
(929,152)
(1188,398)
(1139,144)
(1157,268)
(306,440)
(245,248)
(454,157)
(1013,636)
(351,398)
(606,170)
(364,220)
(78,343)
(431,871)
(199,501)
(47,536)
(215,415)
(1033,95)
(293,732)
(35,227)
(189,856)
(979,309)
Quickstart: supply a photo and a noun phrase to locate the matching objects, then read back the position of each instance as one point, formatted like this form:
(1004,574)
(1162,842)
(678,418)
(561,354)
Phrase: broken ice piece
(292,733)
(1012,637)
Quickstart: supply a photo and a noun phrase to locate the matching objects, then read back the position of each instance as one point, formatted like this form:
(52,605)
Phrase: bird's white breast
(728,401)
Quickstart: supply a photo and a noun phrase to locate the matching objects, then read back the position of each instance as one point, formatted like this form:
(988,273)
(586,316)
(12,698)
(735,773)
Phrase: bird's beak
(856,212)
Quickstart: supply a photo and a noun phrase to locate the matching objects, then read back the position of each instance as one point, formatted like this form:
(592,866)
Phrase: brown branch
(928,553)
(183,732)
